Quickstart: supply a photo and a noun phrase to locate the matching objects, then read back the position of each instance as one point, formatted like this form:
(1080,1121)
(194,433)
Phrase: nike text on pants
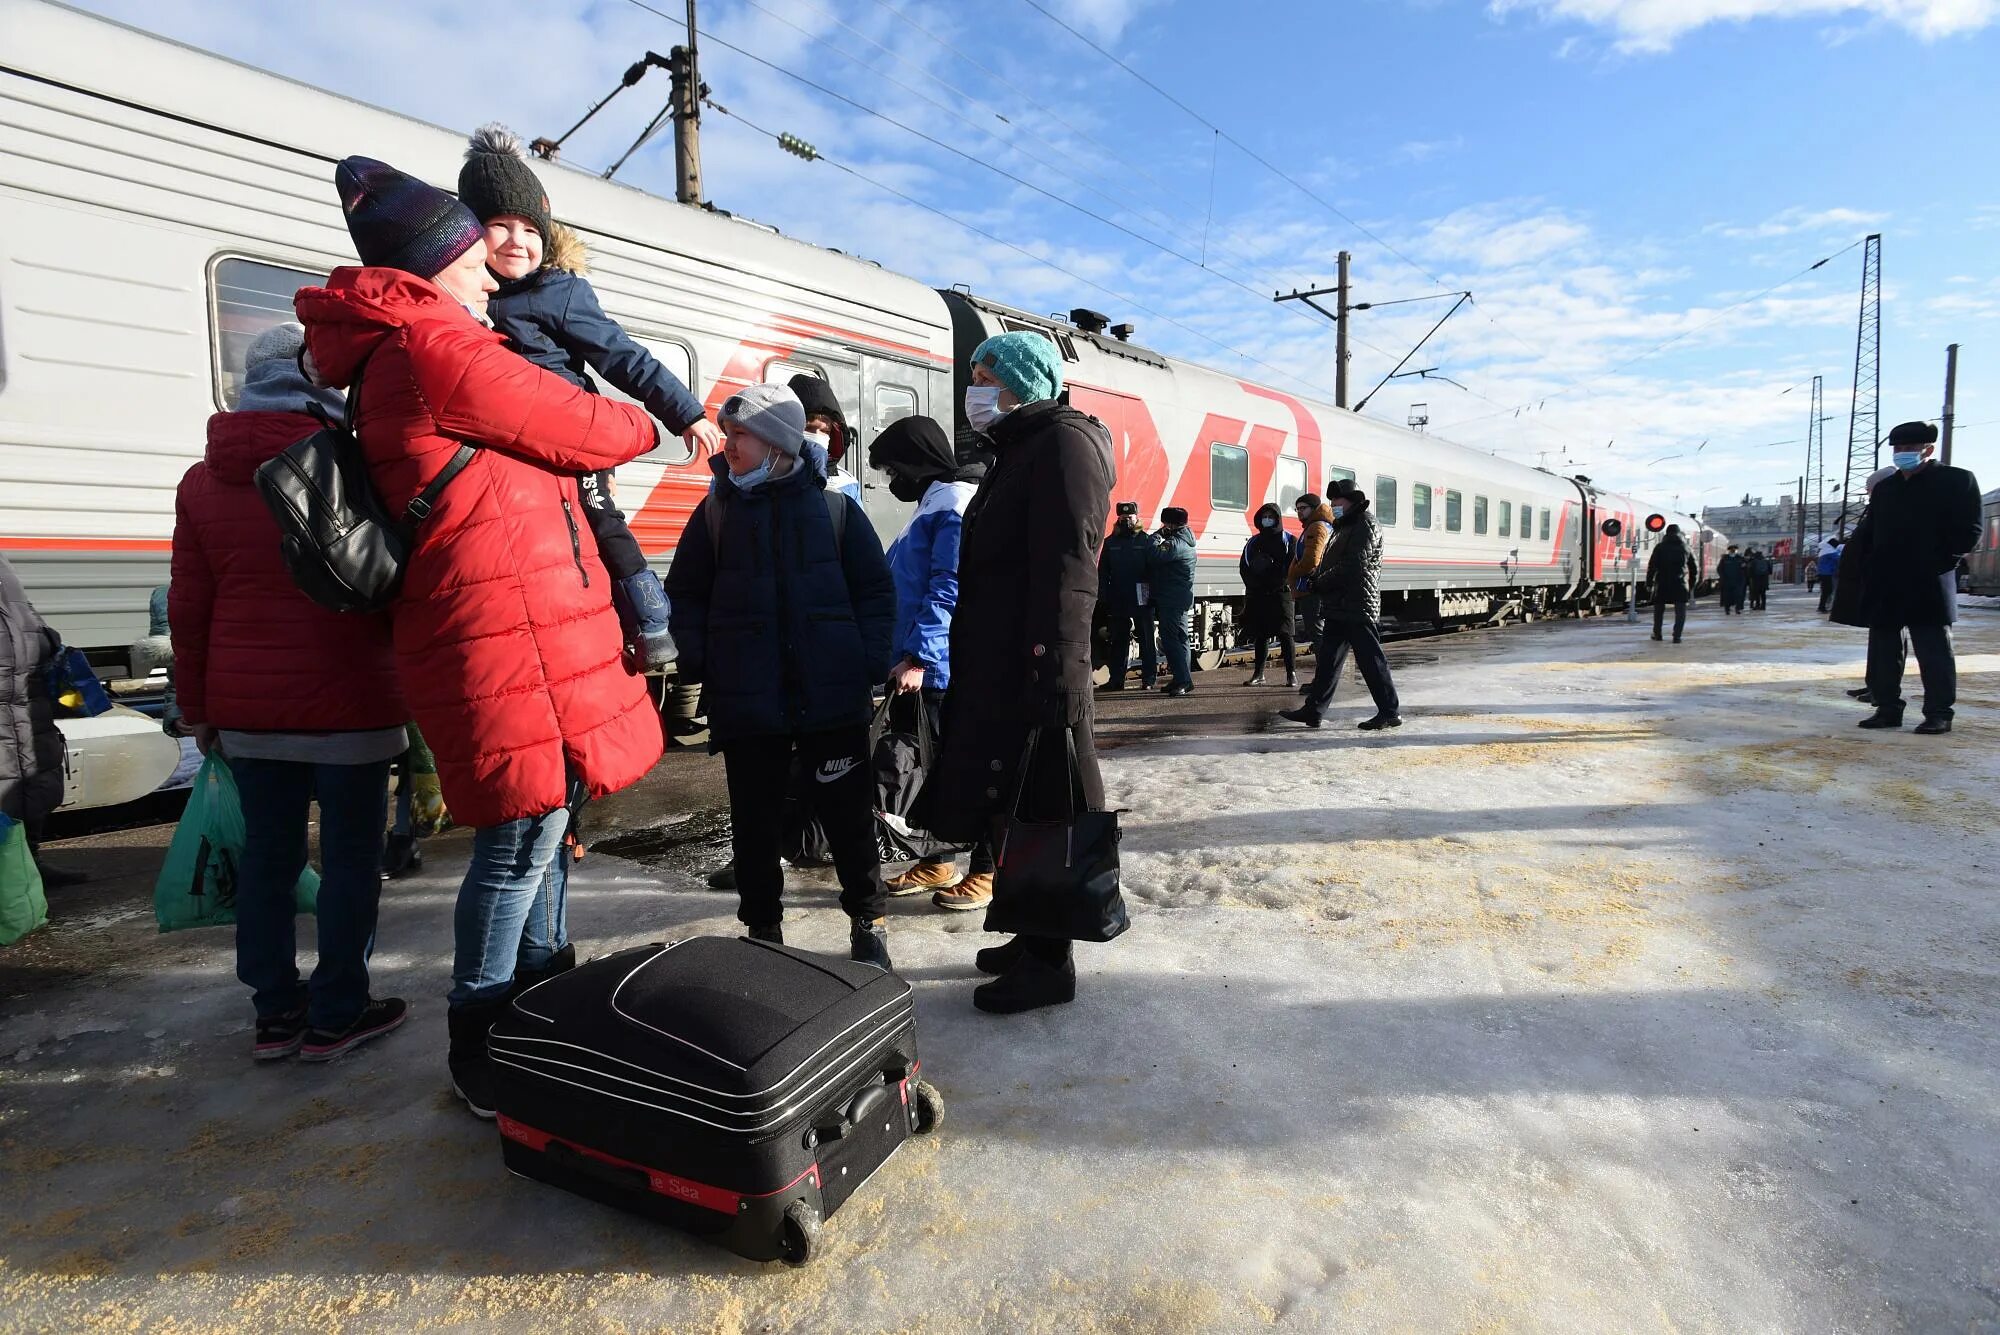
(833,783)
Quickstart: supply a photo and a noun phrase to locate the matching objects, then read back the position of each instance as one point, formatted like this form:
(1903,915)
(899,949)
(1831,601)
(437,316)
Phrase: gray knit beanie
(273,381)
(772,413)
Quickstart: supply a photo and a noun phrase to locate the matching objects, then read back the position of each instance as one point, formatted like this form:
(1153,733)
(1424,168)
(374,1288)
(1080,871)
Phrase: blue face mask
(1267,523)
(1907,459)
(1338,510)
(757,476)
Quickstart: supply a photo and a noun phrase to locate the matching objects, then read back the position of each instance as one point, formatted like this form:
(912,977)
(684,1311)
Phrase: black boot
(1034,981)
(471,1068)
(723,877)
(401,856)
(775,934)
(1882,718)
(999,959)
(1303,714)
(561,962)
(868,943)
(1379,722)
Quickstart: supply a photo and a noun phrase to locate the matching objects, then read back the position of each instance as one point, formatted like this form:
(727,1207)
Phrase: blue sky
(1606,176)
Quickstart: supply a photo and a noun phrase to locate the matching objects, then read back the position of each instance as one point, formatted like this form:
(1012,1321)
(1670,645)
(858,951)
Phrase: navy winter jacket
(785,634)
(1124,563)
(1171,568)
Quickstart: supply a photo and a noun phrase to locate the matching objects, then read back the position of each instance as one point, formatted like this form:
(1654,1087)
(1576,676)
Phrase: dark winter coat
(1758,566)
(1265,568)
(251,652)
(1170,570)
(1732,578)
(1671,571)
(1125,564)
(509,651)
(1027,588)
(31,746)
(1850,578)
(1349,578)
(785,631)
(1918,524)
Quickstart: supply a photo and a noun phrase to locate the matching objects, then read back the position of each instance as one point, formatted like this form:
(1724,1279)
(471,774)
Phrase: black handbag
(1056,879)
(902,760)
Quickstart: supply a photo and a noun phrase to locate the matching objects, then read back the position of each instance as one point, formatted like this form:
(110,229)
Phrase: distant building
(1765,526)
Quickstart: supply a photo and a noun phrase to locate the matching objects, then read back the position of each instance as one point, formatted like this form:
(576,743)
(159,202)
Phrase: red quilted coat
(505,636)
(251,652)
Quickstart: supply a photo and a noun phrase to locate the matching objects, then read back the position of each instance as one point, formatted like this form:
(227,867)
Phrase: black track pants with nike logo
(832,781)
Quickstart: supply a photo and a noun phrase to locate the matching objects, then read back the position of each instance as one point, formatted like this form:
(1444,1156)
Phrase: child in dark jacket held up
(550,314)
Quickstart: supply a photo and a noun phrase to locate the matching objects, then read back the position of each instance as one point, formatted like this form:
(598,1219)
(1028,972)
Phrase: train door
(890,390)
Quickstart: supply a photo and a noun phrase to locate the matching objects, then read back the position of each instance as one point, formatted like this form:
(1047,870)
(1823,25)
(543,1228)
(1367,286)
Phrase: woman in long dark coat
(1267,593)
(1020,639)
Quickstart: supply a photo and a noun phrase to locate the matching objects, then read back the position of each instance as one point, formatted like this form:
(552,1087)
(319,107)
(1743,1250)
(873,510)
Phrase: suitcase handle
(859,1108)
(564,1156)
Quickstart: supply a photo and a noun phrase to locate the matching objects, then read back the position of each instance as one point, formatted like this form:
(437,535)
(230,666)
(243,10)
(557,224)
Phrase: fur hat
(399,222)
(496,180)
(769,412)
(274,382)
(1174,517)
(1913,436)
(1024,362)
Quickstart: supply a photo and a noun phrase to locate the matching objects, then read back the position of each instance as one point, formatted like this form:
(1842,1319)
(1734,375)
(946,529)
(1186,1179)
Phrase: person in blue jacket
(550,314)
(1827,565)
(923,467)
(784,611)
(1172,581)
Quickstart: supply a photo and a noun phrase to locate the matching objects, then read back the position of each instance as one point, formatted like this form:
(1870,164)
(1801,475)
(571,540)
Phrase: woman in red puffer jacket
(305,705)
(505,636)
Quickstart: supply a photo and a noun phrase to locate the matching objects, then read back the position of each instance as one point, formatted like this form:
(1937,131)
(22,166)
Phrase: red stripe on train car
(73,544)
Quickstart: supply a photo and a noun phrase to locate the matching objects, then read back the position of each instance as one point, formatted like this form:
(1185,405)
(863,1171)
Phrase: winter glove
(428,815)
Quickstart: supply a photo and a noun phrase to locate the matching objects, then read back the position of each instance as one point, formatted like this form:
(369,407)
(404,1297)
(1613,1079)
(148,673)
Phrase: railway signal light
(1611,528)
(1654,523)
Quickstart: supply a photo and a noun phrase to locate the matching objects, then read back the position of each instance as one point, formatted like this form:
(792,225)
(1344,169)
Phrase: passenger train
(159,205)
(1982,563)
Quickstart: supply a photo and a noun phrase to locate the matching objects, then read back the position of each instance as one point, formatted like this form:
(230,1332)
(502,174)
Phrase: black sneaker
(1882,719)
(1379,722)
(1858,693)
(868,943)
(279,1036)
(401,857)
(1176,692)
(377,1018)
(1300,715)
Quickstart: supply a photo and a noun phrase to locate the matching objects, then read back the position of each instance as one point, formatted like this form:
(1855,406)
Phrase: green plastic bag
(197,885)
(23,906)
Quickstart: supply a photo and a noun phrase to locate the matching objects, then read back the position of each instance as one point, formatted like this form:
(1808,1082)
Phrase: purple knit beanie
(399,222)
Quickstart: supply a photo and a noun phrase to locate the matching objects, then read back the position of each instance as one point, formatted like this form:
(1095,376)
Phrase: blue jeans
(1175,626)
(512,906)
(353,800)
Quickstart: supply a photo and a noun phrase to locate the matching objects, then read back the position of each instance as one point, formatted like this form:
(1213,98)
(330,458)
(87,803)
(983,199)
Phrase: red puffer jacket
(251,652)
(505,636)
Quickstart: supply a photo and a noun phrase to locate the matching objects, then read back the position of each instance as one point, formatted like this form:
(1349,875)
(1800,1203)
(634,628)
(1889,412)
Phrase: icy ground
(1629,987)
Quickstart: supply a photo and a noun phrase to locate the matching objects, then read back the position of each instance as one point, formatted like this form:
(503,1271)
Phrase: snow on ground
(1629,987)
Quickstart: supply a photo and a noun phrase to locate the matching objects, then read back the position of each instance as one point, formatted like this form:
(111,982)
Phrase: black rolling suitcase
(739,1090)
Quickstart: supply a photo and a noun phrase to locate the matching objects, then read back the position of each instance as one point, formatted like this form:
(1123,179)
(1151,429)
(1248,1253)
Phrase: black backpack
(343,549)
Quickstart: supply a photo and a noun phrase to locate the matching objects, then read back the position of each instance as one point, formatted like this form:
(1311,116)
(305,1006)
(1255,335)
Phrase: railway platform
(1629,985)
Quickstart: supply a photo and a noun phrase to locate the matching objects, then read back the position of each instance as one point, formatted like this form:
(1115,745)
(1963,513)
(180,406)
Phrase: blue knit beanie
(399,222)
(1026,363)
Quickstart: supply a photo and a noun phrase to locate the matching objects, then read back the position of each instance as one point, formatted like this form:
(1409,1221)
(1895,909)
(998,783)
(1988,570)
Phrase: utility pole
(1341,340)
(1799,547)
(1950,396)
(688,91)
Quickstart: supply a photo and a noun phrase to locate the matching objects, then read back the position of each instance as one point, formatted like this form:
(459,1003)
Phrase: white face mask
(820,438)
(982,407)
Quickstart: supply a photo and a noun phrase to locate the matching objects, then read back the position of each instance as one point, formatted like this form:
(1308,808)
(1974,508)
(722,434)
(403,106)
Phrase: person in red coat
(302,701)
(505,637)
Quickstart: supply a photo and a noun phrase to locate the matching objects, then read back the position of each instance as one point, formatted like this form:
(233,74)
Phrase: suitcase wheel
(798,1234)
(929,1106)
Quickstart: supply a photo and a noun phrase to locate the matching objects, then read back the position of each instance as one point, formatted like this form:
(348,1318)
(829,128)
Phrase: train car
(152,224)
(1982,563)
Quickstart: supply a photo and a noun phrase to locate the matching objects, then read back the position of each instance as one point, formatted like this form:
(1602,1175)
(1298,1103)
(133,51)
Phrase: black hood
(916,448)
(817,398)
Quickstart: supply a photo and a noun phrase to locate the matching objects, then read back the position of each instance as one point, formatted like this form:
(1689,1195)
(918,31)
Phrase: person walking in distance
(304,704)
(924,468)
(1020,640)
(784,608)
(1348,583)
(1170,573)
(1315,529)
(1124,571)
(1732,580)
(1827,565)
(1265,569)
(1919,522)
(508,650)
(1757,566)
(1672,573)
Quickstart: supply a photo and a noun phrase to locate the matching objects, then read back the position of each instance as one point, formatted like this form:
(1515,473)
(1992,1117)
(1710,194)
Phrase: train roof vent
(1123,332)
(1089,321)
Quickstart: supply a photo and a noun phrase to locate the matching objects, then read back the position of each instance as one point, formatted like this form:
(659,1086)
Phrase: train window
(1454,511)
(677,357)
(1385,499)
(1420,505)
(1527,522)
(777,371)
(1478,514)
(245,298)
(1291,482)
(1506,519)
(892,404)
(1545,524)
(1056,336)
(1337,474)
(1228,477)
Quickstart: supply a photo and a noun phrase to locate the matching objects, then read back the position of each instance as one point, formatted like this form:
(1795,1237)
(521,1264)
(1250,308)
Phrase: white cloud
(1655,25)
(1795,220)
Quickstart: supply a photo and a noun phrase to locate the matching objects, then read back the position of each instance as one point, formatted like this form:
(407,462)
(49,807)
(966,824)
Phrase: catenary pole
(1340,337)
(687,95)
(1950,398)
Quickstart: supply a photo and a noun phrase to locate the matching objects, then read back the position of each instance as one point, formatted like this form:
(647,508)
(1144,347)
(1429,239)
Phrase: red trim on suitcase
(663,1184)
